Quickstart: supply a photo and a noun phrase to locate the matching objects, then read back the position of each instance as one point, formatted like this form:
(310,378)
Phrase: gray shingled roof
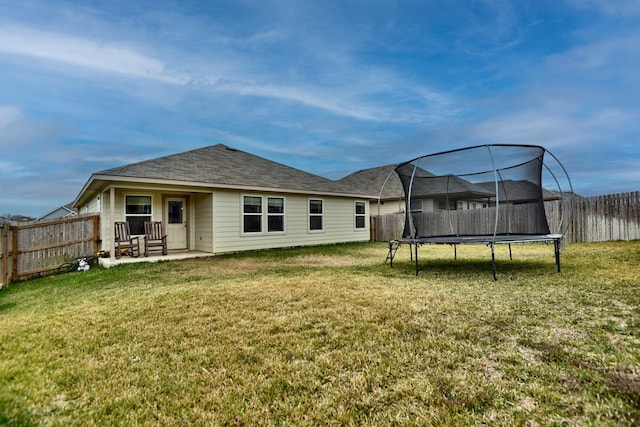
(370,181)
(520,191)
(225,166)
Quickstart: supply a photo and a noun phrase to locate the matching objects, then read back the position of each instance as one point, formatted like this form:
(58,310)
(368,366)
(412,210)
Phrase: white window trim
(124,207)
(243,214)
(264,215)
(283,215)
(309,214)
(356,215)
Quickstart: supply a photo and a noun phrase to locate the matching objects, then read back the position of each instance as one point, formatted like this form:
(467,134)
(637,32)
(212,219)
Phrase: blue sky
(329,87)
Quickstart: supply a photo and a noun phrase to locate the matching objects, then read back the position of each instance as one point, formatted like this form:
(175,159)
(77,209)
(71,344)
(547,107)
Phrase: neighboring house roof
(521,191)
(426,184)
(60,212)
(450,186)
(222,167)
(371,181)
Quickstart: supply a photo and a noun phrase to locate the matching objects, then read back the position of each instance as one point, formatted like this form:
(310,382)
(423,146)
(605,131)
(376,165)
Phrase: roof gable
(220,165)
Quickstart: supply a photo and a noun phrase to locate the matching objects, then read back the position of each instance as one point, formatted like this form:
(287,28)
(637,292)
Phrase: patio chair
(125,243)
(154,237)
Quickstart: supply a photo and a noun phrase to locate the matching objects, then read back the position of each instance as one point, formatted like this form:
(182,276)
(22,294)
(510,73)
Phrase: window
(316,214)
(175,211)
(415,205)
(361,211)
(445,205)
(137,211)
(275,214)
(252,214)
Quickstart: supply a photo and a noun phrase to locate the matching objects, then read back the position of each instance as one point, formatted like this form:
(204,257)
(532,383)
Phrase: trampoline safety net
(488,193)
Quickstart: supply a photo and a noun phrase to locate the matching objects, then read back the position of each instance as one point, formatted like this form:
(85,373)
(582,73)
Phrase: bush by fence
(591,219)
(39,247)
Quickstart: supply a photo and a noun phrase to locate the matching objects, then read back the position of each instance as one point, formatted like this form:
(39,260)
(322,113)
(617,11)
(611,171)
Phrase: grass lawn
(332,336)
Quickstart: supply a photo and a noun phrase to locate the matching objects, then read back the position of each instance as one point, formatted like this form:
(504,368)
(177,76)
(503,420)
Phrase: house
(441,193)
(384,186)
(59,212)
(433,193)
(218,199)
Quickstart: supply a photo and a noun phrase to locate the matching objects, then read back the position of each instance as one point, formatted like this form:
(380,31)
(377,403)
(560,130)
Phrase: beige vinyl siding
(106,223)
(395,206)
(203,220)
(95,206)
(120,194)
(92,206)
(388,207)
(338,223)
(429,205)
(216,219)
(119,198)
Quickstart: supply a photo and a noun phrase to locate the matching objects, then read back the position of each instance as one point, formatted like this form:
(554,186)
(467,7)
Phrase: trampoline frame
(491,241)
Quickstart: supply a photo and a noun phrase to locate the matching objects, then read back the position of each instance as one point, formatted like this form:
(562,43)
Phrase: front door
(176,220)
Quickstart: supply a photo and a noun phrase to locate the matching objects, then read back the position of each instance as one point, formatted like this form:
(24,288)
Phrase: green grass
(332,336)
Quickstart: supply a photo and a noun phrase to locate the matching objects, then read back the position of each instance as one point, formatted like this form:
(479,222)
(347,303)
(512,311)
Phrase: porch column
(112,215)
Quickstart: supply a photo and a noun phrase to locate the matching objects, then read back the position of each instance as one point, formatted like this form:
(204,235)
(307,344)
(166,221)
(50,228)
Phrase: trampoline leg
(416,260)
(455,251)
(556,248)
(410,251)
(493,262)
(510,256)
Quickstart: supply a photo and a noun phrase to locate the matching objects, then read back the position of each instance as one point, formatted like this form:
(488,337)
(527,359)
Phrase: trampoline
(487,194)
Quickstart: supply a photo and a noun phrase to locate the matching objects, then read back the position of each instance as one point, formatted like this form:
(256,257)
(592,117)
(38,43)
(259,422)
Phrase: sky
(329,87)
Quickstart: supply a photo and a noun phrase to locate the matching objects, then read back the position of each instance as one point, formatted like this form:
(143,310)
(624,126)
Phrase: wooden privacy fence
(606,218)
(39,247)
(591,219)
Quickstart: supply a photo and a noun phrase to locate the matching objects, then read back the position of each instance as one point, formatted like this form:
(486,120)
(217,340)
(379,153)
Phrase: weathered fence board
(43,246)
(6,257)
(592,219)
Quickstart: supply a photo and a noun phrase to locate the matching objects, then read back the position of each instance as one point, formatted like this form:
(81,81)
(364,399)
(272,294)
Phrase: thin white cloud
(490,26)
(84,52)
(617,8)
(553,126)
(124,60)
(356,101)
(8,116)
(601,59)
(295,94)
(17,129)
(13,170)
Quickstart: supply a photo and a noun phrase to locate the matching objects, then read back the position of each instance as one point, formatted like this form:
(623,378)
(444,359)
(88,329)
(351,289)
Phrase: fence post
(96,234)
(4,249)
(372,228)
(14,251)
